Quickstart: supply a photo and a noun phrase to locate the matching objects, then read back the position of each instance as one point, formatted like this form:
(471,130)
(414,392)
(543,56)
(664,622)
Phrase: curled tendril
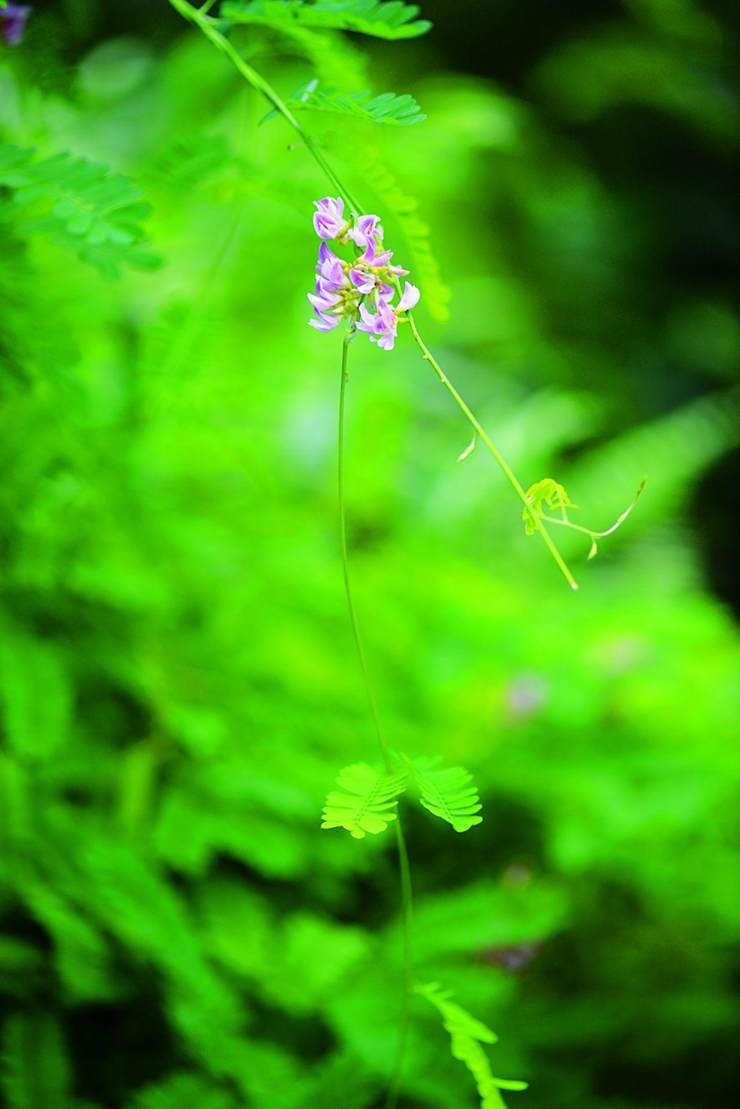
(549,494)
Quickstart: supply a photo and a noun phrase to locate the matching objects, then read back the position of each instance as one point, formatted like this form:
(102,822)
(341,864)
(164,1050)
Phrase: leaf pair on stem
(366,800)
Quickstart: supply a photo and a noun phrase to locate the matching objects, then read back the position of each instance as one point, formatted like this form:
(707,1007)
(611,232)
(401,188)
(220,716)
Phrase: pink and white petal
(364,282)
(324,322)
(409,298)
(322,304)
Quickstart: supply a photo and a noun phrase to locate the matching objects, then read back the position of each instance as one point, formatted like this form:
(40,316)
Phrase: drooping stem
(403,858)
(486,439)
(210,29)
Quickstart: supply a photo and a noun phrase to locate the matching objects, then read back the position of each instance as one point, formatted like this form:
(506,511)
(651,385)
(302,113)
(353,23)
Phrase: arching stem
(486,439)
(208,26)
(210,29)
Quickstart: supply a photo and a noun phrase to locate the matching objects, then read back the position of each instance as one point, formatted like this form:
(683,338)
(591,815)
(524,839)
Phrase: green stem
(407,918)
(403,858)
(209,28)
(480,430)
(577,527)
(566,523)
(359,646)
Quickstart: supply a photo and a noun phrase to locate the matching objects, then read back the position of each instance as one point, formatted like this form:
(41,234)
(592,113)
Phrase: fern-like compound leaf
(466,1036)
(381,19)
(448,792)
(416,233)
(79,203)
(545,494)
(366,800)
(399,111)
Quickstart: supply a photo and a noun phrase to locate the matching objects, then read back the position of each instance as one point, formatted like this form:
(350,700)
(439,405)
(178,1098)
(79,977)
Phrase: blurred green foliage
(177,683)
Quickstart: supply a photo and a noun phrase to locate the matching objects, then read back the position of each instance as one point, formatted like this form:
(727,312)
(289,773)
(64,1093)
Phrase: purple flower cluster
(361,290)
(13,22)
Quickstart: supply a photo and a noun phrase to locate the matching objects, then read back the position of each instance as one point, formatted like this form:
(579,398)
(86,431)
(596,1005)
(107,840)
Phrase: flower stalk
(361,291)
(403,858)
(382,324)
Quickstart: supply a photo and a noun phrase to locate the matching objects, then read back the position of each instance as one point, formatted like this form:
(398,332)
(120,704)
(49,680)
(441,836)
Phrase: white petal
(410,297)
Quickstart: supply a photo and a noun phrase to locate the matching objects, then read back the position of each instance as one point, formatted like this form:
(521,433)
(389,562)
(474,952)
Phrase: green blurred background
(178,682)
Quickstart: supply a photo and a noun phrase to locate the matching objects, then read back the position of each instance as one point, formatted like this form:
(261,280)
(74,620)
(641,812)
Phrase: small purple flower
(13,22)
(334,298)
(324,322)
(327,305)
(371,257)
(360,291)
(367,231)
(362,281)
(329,267)
(328,219)
(527,694)
(381,326)
(325,298)
(514,957)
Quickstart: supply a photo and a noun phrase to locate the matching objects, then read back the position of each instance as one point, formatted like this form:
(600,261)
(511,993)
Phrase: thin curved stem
(578,527)
(566,523)
(403,858)
(356,635)
(486,439)
(209,28)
